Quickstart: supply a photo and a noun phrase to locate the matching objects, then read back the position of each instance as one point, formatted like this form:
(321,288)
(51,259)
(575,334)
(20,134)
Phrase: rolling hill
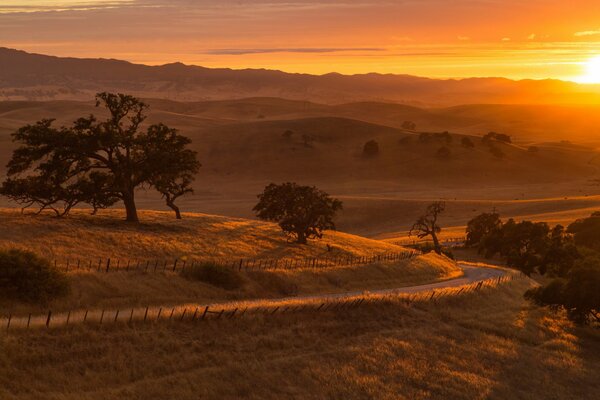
(25,76)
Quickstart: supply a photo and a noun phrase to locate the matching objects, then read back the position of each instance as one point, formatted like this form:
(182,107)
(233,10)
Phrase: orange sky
(437,38)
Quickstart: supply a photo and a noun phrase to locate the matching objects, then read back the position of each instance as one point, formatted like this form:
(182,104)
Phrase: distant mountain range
(25,76)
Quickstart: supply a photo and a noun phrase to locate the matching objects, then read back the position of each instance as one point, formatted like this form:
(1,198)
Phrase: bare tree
(427,224)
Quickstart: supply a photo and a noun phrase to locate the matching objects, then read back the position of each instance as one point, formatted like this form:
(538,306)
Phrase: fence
(448,242)
(177,265)
(198,313)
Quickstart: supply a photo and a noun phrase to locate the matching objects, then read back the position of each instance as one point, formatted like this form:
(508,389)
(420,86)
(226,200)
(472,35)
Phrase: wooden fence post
(101,317)
(146,314)
(8,323)
(48,318)
(28,320)
(116,316)
(205,311)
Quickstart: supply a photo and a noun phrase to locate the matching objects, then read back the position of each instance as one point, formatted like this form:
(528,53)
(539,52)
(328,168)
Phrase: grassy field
(160,236)
(127,290)
(492,345)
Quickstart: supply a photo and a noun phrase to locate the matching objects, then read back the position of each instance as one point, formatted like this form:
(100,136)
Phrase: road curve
(472,274)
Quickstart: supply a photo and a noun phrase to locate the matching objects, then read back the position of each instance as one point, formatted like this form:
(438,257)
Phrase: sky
(516,39)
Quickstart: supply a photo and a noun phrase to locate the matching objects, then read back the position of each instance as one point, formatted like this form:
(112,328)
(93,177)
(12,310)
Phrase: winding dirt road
(472,274)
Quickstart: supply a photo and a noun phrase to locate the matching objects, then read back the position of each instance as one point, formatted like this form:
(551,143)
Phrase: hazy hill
(25,76)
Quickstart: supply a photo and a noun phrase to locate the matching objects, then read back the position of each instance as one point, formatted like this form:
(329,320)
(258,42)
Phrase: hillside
(25,76)
(161,237)
(494,345)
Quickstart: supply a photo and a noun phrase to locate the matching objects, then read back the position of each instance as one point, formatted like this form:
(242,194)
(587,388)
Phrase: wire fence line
(198,313)
(107,265)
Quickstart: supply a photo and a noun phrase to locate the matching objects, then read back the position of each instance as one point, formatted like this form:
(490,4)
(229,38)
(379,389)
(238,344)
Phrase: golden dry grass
(160,236)
(490,346)
(126,290)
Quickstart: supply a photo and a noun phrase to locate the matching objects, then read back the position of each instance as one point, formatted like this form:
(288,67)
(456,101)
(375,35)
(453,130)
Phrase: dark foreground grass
(492,345)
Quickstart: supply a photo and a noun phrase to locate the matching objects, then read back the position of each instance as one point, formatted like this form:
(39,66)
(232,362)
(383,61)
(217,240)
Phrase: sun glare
(592,71)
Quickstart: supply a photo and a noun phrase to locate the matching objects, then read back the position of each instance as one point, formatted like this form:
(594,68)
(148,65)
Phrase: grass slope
(160,236)
(128,290)
(491,346)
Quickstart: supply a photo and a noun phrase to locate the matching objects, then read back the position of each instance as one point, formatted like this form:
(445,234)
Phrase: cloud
(34,6)
(237,52)
(587,33)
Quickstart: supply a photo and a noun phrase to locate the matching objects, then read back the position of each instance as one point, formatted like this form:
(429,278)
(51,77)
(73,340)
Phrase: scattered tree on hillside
(99,162)
(409,126)
(533,149)
(481,226)
(498,137)
(445,136)
(427,225)
(443,153)
(302,212)
(467,143)
(371,148)
(424,137)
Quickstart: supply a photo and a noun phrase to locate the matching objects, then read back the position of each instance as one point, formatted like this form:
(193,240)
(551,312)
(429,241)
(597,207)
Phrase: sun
(592,71)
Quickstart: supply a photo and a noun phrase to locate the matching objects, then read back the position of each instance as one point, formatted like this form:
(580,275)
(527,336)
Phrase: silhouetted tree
(578,291)
(445,136)
(409,126)
(533,149)
(302,212)
(427,224)
(467,143)
(494,136)
(586,231)
(371,148)
(424,137)
(481,226)
(98,162)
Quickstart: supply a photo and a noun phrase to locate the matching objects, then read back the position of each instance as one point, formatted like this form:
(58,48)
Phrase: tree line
(566,260)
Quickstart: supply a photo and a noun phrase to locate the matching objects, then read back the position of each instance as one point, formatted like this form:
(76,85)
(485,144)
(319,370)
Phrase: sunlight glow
(592,69)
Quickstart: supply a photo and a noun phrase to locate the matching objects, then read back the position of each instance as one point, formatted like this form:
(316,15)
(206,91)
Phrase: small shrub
(409,126)
(371,148)
(215,275)
(25,276)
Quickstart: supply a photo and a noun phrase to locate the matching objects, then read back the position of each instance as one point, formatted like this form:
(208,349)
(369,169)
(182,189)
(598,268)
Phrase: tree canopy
(99,162)
(302,212)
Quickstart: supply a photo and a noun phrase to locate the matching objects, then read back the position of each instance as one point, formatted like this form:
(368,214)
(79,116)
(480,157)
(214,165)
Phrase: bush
(371,148)
(25,276)
(214,275)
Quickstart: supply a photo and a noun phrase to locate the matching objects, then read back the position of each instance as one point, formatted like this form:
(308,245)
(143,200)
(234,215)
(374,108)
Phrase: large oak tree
(99,162)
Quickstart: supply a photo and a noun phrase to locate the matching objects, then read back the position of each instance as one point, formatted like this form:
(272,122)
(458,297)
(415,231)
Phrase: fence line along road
(256,308)
(177,265)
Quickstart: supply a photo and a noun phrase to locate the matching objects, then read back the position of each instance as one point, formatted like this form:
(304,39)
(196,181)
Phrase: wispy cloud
(13,6)
(588,33)
(236,52)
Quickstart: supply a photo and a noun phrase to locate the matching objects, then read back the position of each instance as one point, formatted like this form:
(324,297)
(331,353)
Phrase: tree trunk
(172,205)
(301,238)
(436,243)
(130,208)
